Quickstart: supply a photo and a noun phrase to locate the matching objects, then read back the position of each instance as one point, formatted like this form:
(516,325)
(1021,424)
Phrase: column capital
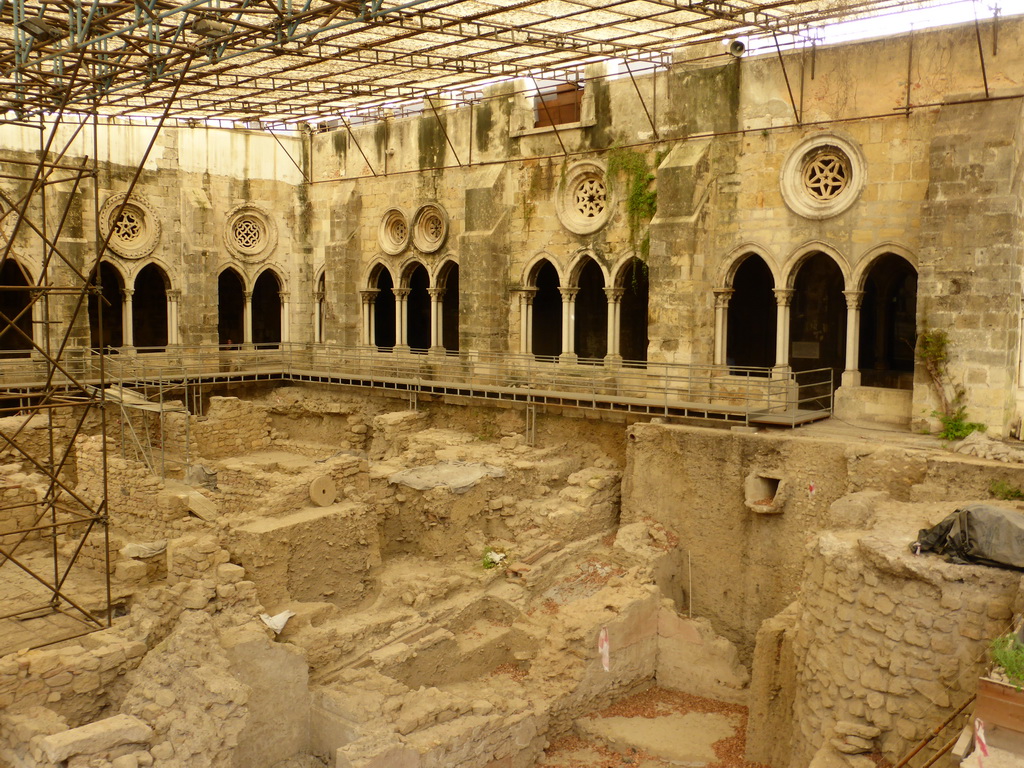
(369,295)
(401,293)
(128,292)
(247,295)
(783,296)
(568,294)
(284,295)
(722,297)
(854,299)
(174,294)
(614,294)
(318,295)
(436,293)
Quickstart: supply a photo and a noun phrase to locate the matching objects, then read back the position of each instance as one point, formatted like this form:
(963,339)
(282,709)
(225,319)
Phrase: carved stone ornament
(250,233)
(583,202)
(393,234)
(823,176)
(430,228)
(134,229)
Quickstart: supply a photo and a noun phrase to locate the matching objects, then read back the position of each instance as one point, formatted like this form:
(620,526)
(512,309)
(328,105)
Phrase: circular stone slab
(323,491)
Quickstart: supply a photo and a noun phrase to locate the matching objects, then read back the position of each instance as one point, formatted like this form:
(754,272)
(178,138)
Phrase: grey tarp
(977,533)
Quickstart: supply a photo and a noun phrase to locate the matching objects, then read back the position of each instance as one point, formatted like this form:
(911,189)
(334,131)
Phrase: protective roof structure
(282,61)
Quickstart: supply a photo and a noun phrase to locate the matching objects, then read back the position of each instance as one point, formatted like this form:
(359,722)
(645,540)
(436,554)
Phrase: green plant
(1008,653)
(933,353)
(641,200)
(492,558)
(1001,489)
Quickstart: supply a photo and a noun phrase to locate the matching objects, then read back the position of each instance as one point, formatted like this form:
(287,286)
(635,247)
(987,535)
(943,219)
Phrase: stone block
(95,737)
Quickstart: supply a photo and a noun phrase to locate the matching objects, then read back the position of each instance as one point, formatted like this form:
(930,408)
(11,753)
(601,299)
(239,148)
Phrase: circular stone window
(249,233)
(823,176)
(133,227)
(430,228)
(584,202)
(393,232)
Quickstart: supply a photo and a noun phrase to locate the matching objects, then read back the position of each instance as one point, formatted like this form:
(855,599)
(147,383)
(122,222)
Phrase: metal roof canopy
(283,61)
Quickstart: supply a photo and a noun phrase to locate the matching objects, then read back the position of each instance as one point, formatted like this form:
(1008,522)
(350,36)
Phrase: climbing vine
(641,199)
(933,352)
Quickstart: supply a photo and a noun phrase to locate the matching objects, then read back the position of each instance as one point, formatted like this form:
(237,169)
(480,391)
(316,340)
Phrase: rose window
(590,197)
(429,228)
(248,233)
(393,231)
(129,226)
(398,230)
(826,174)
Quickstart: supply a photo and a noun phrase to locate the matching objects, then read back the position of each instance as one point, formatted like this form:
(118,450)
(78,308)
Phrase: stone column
(318,319)
(568,323)
(401,318)
(369,298)
(526,296)
(286,329)
(247,320)
(783,299)
(173,302)
(128,321)
(851,376)
(613,353)
(436,319)
(722,299)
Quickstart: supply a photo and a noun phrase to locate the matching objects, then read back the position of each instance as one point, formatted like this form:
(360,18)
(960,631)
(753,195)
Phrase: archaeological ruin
(465,384)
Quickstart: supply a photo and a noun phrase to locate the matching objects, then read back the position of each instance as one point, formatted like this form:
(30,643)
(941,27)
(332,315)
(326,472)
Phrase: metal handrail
(669,385)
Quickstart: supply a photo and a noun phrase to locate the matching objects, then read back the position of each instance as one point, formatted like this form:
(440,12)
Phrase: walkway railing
(732,393)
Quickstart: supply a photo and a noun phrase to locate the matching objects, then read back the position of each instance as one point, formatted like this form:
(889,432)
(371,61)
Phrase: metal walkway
(732,394)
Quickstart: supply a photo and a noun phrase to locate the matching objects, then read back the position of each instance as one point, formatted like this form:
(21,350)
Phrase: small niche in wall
(763,493)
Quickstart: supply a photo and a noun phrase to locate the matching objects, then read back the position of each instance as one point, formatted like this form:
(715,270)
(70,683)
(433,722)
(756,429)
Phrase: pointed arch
(16,309)
(818,316)
(106,310)
(632,284)
(320,304)
(538,262)
(447,281)
(888,322)
(416,313)
(735,259)
(231,302)
(809,250)
(583,260)
(546,320)
(150,307)
(267,308)
(752,313)
(590,303)
(382,284)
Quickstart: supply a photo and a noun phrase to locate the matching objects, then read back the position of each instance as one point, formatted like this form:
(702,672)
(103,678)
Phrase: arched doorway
(752,316)
(449,281)
(110,302)
(149,313)
(546,333)
(635,284)
(16,308)
(384,311)
(417,310)
(591,335)
(230,308)
(888,324)
(266,309)
(818,317)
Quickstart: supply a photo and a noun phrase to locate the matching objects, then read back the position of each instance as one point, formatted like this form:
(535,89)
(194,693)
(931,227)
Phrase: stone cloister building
(822,231)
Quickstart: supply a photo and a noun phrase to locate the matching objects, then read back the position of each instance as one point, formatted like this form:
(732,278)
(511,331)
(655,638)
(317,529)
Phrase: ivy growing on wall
(641,199)
(933,352)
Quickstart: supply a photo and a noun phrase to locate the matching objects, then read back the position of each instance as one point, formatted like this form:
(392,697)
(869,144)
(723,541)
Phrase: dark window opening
(888,324)
(633,339)
(752,316)
(818,319)
(450,310)
(417,329)
(563,104)
(321,297)
(591,340)
(109,305)
(16,307)
(266,310)
(547,313)
(384,312)
(230,309)
(149,309)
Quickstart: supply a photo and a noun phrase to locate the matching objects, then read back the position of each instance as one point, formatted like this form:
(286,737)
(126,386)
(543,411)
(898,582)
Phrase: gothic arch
(867,261)
(806,251)
(579,263)
(150,306)
(734,260)
(231,290)
(267,307)
(16,306)
(112,282)
(536,264)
